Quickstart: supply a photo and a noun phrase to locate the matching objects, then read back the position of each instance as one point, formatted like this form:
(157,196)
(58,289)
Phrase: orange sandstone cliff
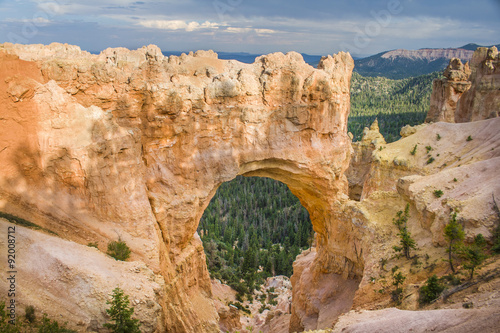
(468,92)
(132,145)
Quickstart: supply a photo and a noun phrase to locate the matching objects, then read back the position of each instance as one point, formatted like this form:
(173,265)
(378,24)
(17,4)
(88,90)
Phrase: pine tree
(406,241)
(121,313)
(473,254)
(453,232)
(431,290)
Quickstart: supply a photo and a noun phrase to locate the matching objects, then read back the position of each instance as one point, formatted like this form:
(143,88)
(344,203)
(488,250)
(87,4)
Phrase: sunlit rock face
(133,145)
(468,92)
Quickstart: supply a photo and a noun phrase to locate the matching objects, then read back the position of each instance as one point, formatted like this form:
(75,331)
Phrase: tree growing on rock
(121,313)
(430,290)
(453,233)
(397,280)
(473,254)
(406,241)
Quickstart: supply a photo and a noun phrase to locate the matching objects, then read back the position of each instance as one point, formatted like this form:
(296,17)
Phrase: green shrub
(428,148)
(438,137)
(414,150)
(430,160)
(121,313)
(430,290)
(25,223)
(496,245)
(398,279)
(469,138)
(452,279)
(118,250)
(438,193)
(52,326)
(30,313)
(93,244)
(263,308)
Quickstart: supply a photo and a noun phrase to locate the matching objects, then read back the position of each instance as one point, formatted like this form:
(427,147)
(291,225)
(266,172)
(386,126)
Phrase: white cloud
(235,30)
(178,25)
(36,20)
(265,31)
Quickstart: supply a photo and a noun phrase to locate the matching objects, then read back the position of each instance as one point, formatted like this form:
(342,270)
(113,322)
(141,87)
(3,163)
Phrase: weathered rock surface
(468,94)
(361,159)
(465,170)
(229,315)
(133,145)
(68,280)
(322,297)
(400,321)
(447,91)
(271,307)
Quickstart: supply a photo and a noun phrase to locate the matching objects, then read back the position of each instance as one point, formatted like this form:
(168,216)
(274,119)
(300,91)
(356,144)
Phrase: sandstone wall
(133,145)
(468,94)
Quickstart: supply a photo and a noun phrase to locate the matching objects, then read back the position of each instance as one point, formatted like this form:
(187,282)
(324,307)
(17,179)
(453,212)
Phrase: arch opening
(253,223)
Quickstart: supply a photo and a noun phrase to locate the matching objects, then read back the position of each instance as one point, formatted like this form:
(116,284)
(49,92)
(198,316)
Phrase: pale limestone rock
(408,130)
(361,159)
(73,281)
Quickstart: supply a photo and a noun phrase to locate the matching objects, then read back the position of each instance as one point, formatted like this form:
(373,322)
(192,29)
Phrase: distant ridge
(401,63)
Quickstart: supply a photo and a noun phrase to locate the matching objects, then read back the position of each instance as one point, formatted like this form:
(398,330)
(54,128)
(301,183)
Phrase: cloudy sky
(363,27)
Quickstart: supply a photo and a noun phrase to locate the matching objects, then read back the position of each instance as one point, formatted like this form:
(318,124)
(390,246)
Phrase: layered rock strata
(132,145)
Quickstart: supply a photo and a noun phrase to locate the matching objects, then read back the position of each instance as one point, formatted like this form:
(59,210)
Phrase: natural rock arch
(163,133)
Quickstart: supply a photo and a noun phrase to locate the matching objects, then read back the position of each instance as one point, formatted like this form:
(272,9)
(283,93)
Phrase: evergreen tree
(121,313)
(406,241)
(473,254)
(453,232)
(431,290)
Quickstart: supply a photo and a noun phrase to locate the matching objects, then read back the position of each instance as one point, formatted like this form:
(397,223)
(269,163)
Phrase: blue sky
(362,27)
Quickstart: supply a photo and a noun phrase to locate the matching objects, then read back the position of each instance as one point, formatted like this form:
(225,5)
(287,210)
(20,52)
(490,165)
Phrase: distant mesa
(401,63)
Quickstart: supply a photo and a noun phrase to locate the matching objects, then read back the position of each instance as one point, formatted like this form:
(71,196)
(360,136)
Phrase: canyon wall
(132,145)
(468,92)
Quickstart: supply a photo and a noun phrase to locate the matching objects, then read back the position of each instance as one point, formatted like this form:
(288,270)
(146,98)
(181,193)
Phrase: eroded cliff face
(444,159)
(133,145)
(468,94)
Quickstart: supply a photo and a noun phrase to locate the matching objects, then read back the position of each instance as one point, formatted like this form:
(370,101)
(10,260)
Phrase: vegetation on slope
(398,68)
(395,103)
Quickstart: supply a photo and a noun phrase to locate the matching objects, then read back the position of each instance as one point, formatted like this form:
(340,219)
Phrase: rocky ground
(269,311)
(474,309)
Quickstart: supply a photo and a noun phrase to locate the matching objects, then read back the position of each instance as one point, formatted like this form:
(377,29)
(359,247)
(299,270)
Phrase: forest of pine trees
(255,227)
(395,103)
